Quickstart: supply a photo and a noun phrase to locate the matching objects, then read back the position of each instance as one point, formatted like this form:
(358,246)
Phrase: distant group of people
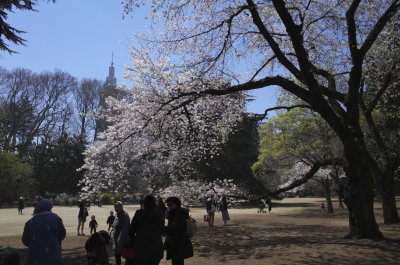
(44,232)
(212,206)
(265,204)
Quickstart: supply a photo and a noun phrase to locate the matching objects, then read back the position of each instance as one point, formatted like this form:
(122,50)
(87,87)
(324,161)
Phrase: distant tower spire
(111,81)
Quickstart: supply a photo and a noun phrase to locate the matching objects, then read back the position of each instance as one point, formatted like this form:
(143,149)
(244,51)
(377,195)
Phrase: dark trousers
(118,260)
(210,220)
(178,261)
(146,262)
(130,262)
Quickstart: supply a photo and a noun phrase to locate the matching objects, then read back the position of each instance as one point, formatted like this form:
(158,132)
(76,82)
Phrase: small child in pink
(322,207)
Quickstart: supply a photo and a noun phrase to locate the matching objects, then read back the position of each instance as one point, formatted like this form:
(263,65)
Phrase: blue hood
(43,206)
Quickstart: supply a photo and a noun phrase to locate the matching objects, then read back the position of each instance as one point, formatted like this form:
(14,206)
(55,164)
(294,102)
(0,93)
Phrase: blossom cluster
(194,190)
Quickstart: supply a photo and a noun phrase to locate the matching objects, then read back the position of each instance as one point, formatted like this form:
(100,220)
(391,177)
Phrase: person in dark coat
(269,202)
(161,206)
(141,202)
(223,207)
(93,225)
(110,221)
(145,233)
(43,234)
(21,205)
(121,231)
(177,243)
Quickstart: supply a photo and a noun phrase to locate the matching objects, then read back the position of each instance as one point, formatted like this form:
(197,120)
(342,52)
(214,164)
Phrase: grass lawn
(295,232)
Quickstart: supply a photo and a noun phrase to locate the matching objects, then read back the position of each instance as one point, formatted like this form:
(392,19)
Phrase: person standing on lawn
(83,213)
(223,207)
(121,231)
(177,243)
(211,208)
(145,233)
(43,234)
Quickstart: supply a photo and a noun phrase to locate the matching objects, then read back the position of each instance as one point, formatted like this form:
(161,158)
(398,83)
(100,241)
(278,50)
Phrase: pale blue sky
(78,37)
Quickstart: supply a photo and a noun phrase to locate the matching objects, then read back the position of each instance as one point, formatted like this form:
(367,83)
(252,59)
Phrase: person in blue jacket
(42,235)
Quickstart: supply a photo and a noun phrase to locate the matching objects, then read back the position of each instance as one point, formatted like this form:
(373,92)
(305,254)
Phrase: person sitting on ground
(43,234)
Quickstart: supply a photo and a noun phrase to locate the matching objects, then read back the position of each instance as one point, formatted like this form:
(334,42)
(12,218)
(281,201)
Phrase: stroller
(99,248)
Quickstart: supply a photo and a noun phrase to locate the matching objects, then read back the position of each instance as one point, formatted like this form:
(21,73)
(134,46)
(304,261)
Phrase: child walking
(110,221)
(93,225)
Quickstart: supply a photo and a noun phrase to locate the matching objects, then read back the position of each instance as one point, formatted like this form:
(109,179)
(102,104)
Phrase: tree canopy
(15,178)
(315,50)
(7,32)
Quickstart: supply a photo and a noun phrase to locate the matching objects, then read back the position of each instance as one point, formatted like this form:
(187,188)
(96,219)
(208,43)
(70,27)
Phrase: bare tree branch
(262,117)
(268,37)
(351,30)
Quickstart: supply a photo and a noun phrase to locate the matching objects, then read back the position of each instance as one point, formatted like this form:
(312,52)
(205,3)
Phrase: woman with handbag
(145,233)
(177,243)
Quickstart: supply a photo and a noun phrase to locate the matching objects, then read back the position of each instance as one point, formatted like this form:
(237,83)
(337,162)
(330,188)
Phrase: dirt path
(294,233)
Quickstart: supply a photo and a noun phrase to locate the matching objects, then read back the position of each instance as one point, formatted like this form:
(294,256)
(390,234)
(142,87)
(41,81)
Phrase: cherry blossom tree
(154,131)
(301,46)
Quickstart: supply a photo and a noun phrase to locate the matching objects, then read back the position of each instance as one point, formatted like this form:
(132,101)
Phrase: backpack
(190,227)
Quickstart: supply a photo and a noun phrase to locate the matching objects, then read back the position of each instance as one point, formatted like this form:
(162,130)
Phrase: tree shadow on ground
(74,256)
(70,255)
(277,240)
(287,205)
(7,250)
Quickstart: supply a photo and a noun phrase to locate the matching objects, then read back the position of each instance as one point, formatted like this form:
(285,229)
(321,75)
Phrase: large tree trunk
(328,196)
(384,184)
(358,193)
(340,201)
(390,214)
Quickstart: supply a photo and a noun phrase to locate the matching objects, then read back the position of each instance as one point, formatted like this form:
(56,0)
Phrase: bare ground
(295,232)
